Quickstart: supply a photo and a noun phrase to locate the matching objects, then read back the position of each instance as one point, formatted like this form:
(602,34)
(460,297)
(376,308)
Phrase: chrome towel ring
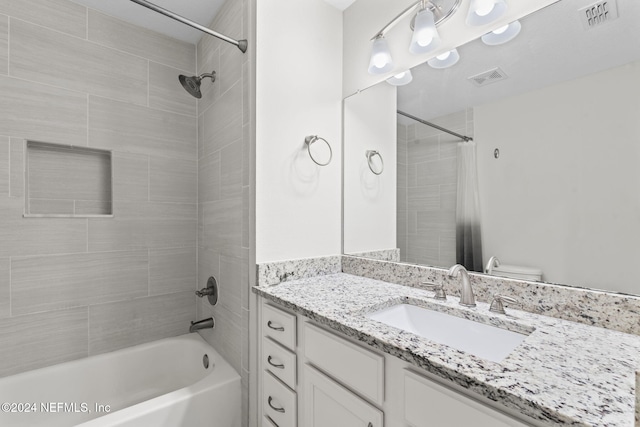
(370,154)
(310,140)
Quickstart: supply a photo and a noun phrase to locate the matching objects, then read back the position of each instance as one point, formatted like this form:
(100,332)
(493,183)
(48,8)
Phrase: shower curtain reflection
(468,236)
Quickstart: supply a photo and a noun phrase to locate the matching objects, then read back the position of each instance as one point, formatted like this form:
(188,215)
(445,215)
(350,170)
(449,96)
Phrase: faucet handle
(497,305)
(438,288)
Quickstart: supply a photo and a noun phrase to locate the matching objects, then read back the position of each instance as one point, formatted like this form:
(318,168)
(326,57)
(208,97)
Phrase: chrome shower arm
(242,44)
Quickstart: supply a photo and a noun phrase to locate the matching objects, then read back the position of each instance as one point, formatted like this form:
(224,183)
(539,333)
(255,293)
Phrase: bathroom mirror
(555,116)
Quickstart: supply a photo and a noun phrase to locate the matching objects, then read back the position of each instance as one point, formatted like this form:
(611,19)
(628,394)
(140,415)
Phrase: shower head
(192,84)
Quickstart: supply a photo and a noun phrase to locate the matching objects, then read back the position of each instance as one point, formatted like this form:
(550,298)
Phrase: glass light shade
(380,61)
(445,60)
(425,36)
(482,12)
(401,79)
(502,34)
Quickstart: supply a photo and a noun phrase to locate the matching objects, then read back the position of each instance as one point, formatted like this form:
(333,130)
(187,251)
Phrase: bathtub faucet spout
(202,324)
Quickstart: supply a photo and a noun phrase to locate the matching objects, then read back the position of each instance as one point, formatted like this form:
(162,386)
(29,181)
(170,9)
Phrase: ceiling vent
(598,13)
(488,77)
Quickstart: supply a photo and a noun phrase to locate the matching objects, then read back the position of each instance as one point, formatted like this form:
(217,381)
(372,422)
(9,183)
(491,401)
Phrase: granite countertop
(563,373)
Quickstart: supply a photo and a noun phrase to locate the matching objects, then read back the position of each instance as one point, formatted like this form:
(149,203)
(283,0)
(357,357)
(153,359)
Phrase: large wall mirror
(556,128)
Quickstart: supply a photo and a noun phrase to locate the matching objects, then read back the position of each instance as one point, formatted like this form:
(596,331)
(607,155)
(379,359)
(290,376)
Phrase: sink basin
(485,341)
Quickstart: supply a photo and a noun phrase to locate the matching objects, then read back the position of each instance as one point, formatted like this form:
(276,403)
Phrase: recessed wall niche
(67,181)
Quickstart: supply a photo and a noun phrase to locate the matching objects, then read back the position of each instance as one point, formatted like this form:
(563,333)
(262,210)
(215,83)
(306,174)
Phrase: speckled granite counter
(563,373)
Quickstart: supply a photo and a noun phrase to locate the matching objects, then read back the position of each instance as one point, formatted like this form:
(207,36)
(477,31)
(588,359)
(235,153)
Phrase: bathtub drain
(205,361)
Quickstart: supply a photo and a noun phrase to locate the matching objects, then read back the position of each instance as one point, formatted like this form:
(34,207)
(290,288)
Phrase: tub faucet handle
(211,291)
(497,305)
(438,288)
(205,292)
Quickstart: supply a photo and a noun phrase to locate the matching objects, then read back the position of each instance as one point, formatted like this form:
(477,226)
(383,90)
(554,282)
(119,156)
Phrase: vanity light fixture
(482,12)
(401,79)
(445,60)
(425,37)
(381,61)
(503,34)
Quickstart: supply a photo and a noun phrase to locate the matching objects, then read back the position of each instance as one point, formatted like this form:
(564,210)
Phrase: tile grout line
(8,46)
(93,42)
(10,289)
(9,162)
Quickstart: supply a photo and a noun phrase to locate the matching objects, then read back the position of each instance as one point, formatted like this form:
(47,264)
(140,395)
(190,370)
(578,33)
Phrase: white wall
(364,18)
(298,93)
(568,162)
(370,200)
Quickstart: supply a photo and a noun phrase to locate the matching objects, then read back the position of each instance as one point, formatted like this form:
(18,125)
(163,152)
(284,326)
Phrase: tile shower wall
(225,186)
(73,287)
(427,177)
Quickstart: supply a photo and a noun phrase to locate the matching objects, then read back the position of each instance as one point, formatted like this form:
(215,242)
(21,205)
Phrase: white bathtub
(160,384)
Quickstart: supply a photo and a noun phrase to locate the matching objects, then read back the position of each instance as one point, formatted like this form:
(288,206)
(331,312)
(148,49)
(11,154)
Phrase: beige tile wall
(225,188)
(72,287)
(427,176)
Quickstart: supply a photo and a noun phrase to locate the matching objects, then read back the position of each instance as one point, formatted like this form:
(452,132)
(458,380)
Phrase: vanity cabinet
(316,377)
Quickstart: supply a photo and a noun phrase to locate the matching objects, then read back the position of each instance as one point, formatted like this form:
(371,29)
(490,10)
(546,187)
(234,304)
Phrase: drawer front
(279,325)
(278,402)
(279,361)
(354,366)
(427,403)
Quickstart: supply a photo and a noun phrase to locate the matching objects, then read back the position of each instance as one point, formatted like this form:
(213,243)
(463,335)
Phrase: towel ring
(370,154)
(310,140)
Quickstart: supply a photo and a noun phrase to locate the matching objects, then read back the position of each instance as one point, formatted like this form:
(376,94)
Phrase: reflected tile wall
(112,86)
(427,177)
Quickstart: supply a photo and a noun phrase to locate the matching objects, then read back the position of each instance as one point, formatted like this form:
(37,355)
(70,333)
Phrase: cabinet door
(328,404)
(427,404)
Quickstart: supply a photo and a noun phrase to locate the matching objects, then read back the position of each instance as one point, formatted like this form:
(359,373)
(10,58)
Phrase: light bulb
(503,34)
(400,79)
(445,60)
(484,7)
(379,60)
(482,12)
(501,29)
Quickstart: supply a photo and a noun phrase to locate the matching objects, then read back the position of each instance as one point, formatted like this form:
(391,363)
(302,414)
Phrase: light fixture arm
(402,14)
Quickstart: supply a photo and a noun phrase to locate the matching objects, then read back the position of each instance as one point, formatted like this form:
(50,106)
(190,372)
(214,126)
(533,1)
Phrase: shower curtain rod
(242,44)
(433,125)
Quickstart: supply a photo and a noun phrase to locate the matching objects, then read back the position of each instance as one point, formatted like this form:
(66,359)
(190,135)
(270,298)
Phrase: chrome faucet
(467,297)
(202,324)
(491,264)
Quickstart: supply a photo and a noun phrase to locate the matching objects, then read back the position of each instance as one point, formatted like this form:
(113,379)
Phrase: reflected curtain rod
(433,125)
(242,44)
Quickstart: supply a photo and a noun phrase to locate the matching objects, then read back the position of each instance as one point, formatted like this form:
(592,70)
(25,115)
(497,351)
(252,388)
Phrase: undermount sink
(485,341)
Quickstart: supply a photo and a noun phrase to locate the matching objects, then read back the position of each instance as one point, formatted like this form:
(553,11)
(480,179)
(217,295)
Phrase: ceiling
(552,47)
(200,11)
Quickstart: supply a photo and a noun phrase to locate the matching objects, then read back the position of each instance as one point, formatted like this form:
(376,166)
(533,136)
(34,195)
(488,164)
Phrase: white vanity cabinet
(320,378)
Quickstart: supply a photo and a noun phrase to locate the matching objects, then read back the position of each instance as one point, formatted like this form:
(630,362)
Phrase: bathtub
(159,384)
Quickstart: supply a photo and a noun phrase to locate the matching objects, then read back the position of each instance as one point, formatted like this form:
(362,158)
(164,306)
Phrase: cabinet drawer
(279,361)
(354,366)
(279,325)
(278,402)
(427,403)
